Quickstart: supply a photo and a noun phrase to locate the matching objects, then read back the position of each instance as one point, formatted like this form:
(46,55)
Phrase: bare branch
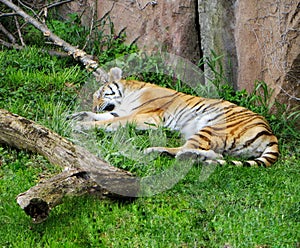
(8,34)
(29,8)
(19,31)
(77,54)
(289,95)
(55,4)
(7,14)
(10,45)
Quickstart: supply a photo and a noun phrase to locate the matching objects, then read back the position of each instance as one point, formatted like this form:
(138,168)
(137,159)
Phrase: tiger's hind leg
(163,150)
(199,146)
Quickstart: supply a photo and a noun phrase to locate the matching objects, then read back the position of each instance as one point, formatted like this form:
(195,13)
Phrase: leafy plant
(99,41)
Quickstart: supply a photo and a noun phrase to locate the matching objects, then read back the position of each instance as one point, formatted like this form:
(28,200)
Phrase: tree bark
(76,53)
(83,171)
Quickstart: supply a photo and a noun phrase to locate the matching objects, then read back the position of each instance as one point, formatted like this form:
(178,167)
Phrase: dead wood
(73,51)
(83,171)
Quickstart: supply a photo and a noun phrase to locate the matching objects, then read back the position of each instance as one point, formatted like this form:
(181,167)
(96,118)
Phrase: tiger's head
(110,94)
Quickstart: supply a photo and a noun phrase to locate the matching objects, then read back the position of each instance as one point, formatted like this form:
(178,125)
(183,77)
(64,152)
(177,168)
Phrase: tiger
(211,128)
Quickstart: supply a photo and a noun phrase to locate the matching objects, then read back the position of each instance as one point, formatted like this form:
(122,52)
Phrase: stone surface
(168,26)
(217,22)
(267,37)
(86,9)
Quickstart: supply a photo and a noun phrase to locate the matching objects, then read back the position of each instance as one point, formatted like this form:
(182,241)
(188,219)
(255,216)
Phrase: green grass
(234,206)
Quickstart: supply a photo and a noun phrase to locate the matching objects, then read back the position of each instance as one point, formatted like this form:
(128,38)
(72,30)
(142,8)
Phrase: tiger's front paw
(159,150)
(82,116)
(82,121)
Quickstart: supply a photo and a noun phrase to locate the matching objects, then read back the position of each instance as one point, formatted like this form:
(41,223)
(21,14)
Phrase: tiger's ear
(115,74)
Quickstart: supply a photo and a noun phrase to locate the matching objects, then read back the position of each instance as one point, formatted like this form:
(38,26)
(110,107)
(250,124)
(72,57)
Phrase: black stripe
(118,88)
(142,86)
(237,122)
(223,113)
(112,91)
(238,115)
(246,164)
(181,113)
(249,142)
(211,105)
(276,154)
(233,145)
(182,108)
(270,160)
(195,145)
(246,127)
(155,99)
(196,104)
(114,114)
(272,144)
(170,101)
(198,109)
(189,99)
(260,163)
(203,137)
(189,119)
(206,131)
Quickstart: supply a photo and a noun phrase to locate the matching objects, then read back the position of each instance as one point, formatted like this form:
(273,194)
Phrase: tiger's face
(108,97)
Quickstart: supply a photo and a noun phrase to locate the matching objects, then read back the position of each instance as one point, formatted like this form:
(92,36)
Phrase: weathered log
(83,171)
(40,199)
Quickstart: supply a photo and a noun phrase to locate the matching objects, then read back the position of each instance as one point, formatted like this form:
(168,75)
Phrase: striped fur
(212,127)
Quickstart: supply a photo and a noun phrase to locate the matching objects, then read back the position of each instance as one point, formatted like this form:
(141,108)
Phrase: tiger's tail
(267,158)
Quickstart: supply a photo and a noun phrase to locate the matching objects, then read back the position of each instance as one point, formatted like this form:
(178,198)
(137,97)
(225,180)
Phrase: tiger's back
(212,127)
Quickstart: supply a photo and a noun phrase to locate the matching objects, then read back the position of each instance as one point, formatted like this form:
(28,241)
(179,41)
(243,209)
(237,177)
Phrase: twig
(27,7)
(10,45)
(153,3)
(8,34)
(19,31)
(7,14)
(289,95)
(56,53)
(55,4)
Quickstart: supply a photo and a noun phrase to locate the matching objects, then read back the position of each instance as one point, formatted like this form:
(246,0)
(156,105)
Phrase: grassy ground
(233,207)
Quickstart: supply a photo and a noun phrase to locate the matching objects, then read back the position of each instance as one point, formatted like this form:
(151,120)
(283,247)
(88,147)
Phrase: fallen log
(82,173)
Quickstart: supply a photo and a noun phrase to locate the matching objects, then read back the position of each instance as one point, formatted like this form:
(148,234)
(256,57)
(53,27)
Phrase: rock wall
(267,38)
(168,26)
(259,40)
(217,23)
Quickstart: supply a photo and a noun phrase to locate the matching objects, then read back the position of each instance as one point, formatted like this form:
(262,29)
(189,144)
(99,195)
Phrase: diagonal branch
(76,53)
